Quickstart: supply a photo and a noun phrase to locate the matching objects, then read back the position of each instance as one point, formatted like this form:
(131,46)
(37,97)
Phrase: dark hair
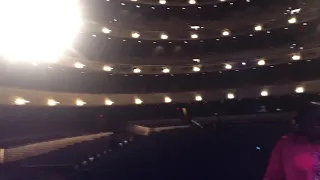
(308,111)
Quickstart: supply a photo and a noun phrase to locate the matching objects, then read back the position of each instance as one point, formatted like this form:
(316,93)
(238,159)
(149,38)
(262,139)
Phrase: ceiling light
(261,62)
(244,63)
(52,102)
(134,0)
(162,1)
(164,36)
(292,20)
(196,60)
(296,57)
(230,96)
(196,69)
(195,27)
(228,66)
(21,101)
(107,68)
(192,1)
(295,11)
(222,0)
(136,70)
(225,33)
(166,70)
(79,102)
(106,30)
(300,89)
(135,35)
(79,65)
(24,38)
(264,93)
(108,102)
(138,101)
(258,28)
(167,100)
(137,6)
(123,4)
(194,36)
(198,98)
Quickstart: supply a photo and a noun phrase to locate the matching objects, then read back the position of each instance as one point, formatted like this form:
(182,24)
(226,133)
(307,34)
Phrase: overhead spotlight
(198,98)
(136,70)
(123,4)
(258,28)
(107,68)
(225,33)
(194,36)
(192,2)
(167,100)
(261,62)
(134,0)
(24,38)
(162,1)
(79,65)
(222,0)
(137,6)
(292,20)
(228,66)
(164,36)
(108,102)
(80,102)
(300,89)
(21,101)
(165,70)
(138,101)
(296,57)
(196,69)
(264,93)
(106,30)
(244,63)
(230,96)
(52,102)
(135,35)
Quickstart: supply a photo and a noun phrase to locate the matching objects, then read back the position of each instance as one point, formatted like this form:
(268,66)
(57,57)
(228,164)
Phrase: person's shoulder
(289,138)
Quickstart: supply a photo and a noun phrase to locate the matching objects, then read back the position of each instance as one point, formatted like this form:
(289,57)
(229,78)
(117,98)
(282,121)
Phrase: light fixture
(300,89)
(196,68)
(194,36)
(135,35)
(136,70)
(222,0)
(137,6)
(261,62)
(80,102)
(52,102)
(195,27)
(296,57)
(244,63)
(108,102)
(228,66)
(196,60)
(162,1)
(292,20)
(24,38)
(107,68)
(192,1)
(164,36)
(225,33)
(138,101)
(165,70)
(198,98)
(106,30)
(264,93)
(167,100)
(230,96)
(79,65)
(258,28)
(21,101)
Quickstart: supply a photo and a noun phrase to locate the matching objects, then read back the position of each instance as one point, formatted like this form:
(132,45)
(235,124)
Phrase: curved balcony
(15,96)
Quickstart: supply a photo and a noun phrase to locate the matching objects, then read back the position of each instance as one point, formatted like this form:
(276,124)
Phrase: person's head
(308,119)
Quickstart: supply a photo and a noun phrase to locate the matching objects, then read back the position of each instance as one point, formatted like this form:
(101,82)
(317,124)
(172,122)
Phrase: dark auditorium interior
(162,89)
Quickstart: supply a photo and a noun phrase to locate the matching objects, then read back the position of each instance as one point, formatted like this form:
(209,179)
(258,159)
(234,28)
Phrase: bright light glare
(52,102)
(264,93)
(167,100)
(38,30)
(138,101)
(230,96)
(108,102)
(79,102)
(300,89)
(21,101)
(198,98)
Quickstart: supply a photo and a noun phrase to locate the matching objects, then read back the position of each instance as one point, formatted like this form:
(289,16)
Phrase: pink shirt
(292,159)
